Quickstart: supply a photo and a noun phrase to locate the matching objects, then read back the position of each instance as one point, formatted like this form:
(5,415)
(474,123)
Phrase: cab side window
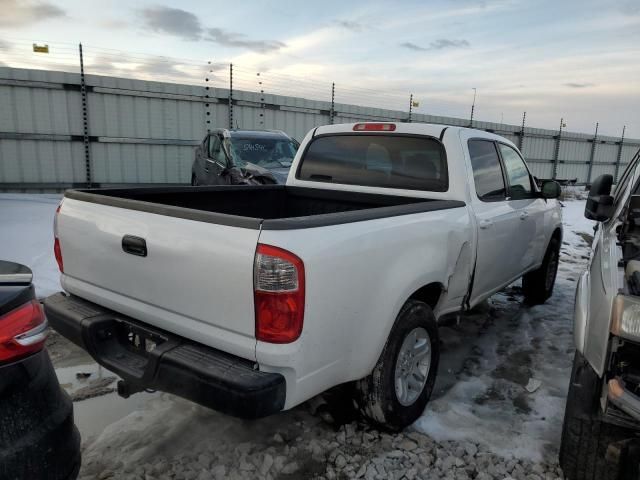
(214,146)
(520,185)
(487,171)
(220,156)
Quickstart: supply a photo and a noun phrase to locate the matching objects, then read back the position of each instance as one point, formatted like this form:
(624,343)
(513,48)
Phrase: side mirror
(551,189)
(600,202)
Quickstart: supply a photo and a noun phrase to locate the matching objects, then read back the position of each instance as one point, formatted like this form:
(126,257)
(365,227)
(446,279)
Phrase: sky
(576,60)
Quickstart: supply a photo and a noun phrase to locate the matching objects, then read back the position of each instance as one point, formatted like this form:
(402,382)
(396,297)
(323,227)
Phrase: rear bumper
(146,357)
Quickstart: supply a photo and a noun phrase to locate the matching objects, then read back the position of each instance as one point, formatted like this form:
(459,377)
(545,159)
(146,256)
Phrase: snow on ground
(481,423)
(26,236)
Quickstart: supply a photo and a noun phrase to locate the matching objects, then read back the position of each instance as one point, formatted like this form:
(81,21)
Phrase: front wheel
(537,285)
(586,438)
(395,394)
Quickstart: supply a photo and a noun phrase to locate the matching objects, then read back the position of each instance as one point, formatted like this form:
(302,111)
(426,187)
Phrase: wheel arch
(430,294)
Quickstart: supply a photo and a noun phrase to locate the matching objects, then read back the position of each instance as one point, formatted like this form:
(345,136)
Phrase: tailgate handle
(134,245)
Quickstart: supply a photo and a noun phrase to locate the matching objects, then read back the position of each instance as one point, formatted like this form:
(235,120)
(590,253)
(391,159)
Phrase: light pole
(473,106)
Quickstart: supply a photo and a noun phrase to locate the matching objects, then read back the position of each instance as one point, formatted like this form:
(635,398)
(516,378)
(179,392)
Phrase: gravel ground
(307,450)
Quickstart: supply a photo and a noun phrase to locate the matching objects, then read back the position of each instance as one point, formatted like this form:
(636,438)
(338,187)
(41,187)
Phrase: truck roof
(431,129)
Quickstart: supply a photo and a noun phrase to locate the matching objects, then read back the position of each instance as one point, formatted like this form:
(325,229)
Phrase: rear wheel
(587,442)
(398,389)
(537,285)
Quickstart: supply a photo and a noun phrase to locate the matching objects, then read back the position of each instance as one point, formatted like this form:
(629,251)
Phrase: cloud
(413,46)
(18,13)
(350,25)
(439,44)
(239,40)
(186,25)
(446,43)
(578,85)
(173,21)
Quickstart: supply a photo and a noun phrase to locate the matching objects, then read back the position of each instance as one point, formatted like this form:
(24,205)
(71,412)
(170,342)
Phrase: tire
(585,437)
(379,399)
(537,285)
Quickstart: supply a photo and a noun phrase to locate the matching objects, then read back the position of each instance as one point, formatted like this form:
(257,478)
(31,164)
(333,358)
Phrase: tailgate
(196,279)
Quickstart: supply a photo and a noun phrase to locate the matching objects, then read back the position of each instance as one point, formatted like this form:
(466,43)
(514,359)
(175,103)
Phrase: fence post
(262,104)
(207,103)
(85,121)
(332,112)
(619,157)
(231,95)
(593,154)
(556,153)
(521,139)
(473,107)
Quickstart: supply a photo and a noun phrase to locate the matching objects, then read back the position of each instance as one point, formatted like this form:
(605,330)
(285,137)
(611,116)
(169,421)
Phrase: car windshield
(265,152)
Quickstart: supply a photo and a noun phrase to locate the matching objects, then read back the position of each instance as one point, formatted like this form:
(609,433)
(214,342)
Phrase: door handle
(484,224)
(524,215)
(134,245)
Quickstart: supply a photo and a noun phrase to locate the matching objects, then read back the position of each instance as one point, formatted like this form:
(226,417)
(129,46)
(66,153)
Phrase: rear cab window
(377,160)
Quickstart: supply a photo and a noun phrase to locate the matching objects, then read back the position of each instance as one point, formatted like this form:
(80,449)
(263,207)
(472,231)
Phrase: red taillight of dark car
(278,294)
(23,331)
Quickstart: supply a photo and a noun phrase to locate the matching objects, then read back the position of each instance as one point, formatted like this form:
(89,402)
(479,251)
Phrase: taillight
(278,294)
(22,331)
(57,250)
(374,127)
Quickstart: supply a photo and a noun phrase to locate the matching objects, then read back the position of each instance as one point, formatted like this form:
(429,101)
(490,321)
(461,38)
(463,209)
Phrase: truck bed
(273,207)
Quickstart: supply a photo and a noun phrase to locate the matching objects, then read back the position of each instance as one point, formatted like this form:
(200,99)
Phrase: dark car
(38,439)
(243,157)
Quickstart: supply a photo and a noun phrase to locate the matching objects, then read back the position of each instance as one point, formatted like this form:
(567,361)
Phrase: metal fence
(61,129)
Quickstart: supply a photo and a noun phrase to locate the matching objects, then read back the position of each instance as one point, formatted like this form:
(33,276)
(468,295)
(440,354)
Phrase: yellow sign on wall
(40,48)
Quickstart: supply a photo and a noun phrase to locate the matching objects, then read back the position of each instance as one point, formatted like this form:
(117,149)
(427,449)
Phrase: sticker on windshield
(253,147)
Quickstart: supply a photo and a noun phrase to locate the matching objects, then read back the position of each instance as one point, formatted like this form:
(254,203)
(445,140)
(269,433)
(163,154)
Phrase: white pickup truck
(251,300)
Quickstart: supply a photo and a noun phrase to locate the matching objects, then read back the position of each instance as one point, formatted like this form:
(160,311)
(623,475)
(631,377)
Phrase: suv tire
(396,392)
